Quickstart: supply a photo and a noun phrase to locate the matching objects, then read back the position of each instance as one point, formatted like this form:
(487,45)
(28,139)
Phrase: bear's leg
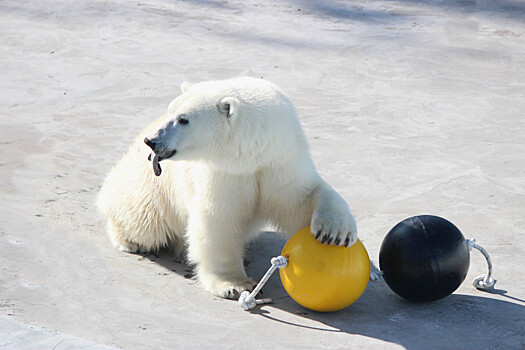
(218,253)
(324,210)
(219,224)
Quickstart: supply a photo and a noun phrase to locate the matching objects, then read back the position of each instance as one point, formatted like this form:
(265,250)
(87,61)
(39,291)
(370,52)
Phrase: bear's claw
(330,234)
(232,290)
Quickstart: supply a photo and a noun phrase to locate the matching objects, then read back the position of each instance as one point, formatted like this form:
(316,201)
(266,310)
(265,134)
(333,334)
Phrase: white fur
(242,161)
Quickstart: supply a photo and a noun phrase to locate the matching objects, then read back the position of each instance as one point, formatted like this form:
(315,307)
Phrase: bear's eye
(182,120)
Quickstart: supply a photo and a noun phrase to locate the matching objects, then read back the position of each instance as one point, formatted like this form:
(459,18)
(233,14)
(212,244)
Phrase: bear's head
(238,125)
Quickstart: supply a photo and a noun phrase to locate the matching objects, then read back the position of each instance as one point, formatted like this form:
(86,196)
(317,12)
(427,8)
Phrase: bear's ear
(228,106)
(185,86)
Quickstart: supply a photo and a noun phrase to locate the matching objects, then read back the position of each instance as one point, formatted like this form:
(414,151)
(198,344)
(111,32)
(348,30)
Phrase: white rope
(376,276)
(247,300)
(482,282)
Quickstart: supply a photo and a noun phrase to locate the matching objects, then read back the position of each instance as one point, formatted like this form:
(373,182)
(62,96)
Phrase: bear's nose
(150,143)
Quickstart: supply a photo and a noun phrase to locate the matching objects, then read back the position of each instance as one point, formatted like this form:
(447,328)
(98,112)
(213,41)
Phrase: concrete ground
(410,107)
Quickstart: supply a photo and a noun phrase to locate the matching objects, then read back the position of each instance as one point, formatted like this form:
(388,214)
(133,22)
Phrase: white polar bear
(236,159)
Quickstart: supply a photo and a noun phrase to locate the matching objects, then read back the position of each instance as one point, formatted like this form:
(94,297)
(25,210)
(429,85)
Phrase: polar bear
(234,159)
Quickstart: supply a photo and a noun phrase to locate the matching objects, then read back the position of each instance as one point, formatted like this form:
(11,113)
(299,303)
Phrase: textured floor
(410,107)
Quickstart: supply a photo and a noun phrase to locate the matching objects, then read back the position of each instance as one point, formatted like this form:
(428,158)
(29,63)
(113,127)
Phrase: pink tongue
(156,166)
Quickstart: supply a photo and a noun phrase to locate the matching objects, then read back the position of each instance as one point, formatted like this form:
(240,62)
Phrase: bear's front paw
(330,228)
(233,289)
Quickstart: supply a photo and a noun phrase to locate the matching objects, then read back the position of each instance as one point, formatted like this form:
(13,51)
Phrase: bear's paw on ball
(321,277)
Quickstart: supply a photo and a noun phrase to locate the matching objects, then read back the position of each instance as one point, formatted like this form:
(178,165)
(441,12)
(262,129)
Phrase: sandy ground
(410,107)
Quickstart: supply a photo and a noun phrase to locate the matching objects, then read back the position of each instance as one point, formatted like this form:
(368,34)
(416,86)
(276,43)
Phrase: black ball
(424,258)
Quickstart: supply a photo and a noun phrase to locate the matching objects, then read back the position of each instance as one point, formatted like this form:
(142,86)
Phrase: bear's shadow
(457,321)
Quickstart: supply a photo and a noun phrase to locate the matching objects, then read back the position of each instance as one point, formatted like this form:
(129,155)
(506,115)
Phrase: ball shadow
(457,321)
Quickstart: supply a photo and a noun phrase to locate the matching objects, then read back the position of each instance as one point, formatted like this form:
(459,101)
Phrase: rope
(376,276)
(247,300)
(483,282)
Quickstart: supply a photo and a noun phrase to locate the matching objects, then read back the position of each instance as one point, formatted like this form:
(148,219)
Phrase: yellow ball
(322,277)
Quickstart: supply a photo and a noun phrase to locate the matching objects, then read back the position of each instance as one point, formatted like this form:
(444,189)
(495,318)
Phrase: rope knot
(246,301)
(279,262)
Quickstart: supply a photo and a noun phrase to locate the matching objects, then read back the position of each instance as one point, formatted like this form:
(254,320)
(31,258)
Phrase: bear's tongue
(156,166)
